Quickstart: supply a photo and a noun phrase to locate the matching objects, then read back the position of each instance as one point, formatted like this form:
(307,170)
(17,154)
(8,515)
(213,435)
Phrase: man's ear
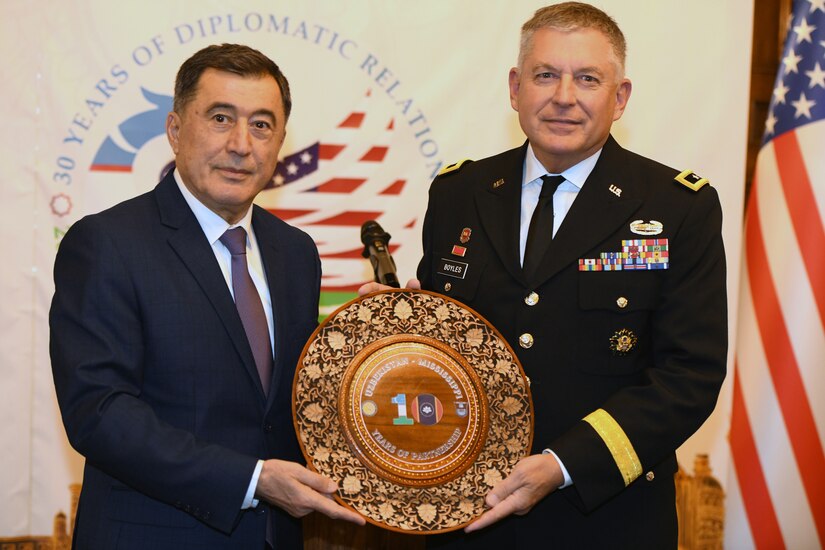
(172,130)
(622,97)
(514,84)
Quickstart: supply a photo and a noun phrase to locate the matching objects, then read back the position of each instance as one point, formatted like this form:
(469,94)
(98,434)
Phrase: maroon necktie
(541,226)
(248,302)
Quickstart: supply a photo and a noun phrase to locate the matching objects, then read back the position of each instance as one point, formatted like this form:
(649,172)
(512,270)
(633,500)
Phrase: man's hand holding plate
(533,478)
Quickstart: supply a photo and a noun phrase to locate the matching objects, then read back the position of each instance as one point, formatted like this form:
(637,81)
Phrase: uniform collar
(576,174)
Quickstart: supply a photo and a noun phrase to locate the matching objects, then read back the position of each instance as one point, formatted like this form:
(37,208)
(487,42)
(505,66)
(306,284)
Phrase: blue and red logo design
(427,409)
(134,132)
(329,188)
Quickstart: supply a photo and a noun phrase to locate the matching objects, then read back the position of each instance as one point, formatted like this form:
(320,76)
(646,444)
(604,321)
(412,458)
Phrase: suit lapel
(596,213)
(195,252)
(275,276)
(498,201)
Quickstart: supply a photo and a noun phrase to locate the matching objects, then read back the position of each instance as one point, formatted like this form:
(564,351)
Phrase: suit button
(650,476)
(268,428)
(187,508)
(621,301)
(526,340)
(531,299)
(447,287)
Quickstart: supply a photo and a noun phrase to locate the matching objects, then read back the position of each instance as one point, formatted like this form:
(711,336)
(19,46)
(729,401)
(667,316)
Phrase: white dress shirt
(214,227)
(563,198)
(531,183)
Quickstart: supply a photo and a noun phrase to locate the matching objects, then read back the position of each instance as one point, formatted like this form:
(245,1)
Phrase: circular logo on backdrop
(359,146)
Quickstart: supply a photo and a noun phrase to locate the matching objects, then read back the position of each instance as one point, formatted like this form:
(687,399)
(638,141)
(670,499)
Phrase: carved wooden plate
(415,405)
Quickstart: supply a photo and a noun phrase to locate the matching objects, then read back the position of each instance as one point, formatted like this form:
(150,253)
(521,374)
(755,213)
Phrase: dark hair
(233,58)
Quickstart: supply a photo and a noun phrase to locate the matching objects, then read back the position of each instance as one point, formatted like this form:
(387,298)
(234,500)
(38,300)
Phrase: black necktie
(541,226)
(249,305)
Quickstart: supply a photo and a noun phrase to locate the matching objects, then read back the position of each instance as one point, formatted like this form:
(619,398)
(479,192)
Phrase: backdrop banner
(385,94)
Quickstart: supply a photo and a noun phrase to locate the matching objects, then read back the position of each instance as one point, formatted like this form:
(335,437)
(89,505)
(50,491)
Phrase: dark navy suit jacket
(156,381)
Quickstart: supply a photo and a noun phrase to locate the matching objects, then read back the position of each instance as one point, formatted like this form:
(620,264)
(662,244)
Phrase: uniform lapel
(191,246)
(596,213)
(498,201)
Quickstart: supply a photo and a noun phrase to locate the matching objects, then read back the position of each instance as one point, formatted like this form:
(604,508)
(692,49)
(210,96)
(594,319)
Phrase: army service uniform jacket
(624,364)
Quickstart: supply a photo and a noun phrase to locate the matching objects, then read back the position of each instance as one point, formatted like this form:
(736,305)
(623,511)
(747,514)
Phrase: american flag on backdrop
(777,497)
(353,173)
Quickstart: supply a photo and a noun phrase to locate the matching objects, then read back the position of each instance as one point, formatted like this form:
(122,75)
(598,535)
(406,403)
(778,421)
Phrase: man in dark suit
(605,272)
(173,346)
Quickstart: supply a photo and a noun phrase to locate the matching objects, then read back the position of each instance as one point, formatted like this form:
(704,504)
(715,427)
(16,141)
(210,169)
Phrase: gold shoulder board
(453,167)
(691,180)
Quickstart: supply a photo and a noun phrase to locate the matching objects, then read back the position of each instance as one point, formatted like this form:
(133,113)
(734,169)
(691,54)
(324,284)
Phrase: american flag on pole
(777,497)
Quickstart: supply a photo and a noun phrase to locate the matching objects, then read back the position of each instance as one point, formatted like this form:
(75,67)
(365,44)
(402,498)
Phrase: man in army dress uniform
(605,271)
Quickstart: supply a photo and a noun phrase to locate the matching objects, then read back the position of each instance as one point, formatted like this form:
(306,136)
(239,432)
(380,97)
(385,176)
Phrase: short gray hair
(569,16)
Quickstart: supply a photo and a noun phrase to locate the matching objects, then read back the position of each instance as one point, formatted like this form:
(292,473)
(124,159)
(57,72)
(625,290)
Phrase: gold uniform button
(650,476)
(526,340)
(531,299)
(621,301)
(447,287)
